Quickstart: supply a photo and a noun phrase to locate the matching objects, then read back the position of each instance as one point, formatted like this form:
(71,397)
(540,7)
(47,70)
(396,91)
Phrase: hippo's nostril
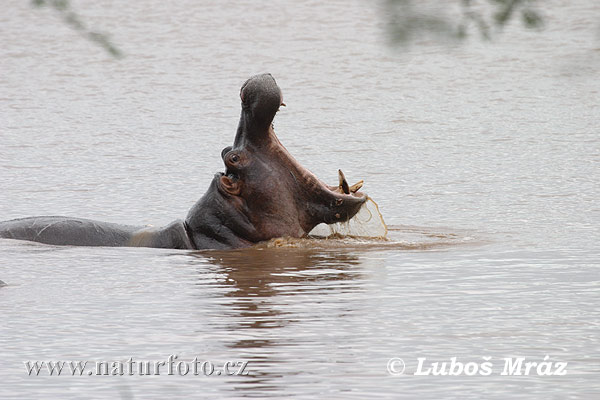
(339,202)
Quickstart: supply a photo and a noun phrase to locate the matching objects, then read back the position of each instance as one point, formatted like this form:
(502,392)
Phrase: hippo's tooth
(343,184)
(356,187)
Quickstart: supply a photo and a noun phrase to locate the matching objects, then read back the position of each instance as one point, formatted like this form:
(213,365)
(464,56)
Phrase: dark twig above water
(73,20)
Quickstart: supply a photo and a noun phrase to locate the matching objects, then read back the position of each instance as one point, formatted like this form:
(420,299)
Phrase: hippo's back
(67,231)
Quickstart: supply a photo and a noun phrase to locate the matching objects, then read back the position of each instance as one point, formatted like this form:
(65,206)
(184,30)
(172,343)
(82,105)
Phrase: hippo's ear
(225,151)
(230,185)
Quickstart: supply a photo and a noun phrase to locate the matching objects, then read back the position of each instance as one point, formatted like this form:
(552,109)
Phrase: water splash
(367,223)
(368,231)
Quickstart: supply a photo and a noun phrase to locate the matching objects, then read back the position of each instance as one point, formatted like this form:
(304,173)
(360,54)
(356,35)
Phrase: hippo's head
(264,192)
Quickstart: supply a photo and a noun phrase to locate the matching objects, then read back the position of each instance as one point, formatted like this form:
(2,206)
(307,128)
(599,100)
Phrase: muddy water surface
(483,159)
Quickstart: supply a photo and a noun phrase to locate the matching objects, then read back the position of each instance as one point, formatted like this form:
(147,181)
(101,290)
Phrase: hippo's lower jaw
(263,194)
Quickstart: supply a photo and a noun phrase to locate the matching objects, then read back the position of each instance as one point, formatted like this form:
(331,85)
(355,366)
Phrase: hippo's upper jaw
(264,192)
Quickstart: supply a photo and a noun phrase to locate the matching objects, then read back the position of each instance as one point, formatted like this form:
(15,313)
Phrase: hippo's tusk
(356,187)
(343,184)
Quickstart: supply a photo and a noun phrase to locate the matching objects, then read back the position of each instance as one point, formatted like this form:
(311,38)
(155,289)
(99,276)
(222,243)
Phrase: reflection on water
(262,280)
(256,276)
(261,272)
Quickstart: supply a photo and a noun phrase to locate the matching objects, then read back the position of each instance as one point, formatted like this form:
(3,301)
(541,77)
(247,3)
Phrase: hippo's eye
(233,158)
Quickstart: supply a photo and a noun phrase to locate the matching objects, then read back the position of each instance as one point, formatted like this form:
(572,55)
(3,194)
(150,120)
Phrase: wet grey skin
(264,193)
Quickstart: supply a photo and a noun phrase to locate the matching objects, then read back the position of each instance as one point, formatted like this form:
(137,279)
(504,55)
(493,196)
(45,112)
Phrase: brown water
(484,160)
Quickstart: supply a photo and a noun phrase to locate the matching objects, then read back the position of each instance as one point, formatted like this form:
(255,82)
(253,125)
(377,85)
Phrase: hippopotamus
(264,193)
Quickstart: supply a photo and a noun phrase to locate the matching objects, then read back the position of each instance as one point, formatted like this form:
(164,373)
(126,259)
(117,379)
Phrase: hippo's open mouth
(275,194)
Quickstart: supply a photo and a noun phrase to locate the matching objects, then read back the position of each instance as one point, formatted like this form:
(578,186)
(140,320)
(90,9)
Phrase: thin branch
(73,20)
